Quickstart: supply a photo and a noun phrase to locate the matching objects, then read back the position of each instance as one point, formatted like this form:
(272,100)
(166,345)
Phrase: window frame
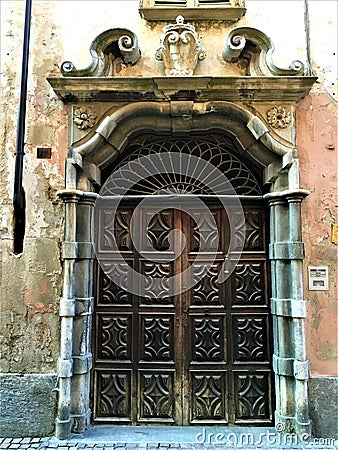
(231,10)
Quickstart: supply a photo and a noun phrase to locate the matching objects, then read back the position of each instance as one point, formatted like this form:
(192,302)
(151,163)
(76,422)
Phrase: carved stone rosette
(84,118)
(278,117)
(180,49)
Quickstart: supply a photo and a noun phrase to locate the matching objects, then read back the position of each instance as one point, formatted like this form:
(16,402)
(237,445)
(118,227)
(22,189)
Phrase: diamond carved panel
(250,338)
(208,339)
(156,395)
(208,397)
(114,337)
(157,338)
(251,391)
(113,395)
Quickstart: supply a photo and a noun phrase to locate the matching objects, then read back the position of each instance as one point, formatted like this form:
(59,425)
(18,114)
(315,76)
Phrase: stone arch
(286,251)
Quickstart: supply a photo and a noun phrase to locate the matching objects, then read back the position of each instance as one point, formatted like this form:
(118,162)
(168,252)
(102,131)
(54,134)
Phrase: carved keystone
(180,49)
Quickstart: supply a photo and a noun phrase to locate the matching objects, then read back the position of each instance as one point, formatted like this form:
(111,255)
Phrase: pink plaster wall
(317,146)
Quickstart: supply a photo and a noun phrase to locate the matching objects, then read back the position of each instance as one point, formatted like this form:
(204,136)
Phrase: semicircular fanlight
(162,180)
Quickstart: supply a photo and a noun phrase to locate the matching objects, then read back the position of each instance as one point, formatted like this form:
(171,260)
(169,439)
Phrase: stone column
(83,288)
(301,370)
(67,312)
(286,254)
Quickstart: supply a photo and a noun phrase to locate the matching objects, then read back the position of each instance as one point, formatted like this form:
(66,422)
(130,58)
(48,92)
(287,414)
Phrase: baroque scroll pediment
(257,48)
(110,50)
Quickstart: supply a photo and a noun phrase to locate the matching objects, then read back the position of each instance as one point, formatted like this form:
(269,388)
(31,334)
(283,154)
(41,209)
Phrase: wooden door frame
(286,250)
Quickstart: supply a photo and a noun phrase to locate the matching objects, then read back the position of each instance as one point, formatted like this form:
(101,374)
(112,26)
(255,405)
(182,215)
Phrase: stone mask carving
(180,49)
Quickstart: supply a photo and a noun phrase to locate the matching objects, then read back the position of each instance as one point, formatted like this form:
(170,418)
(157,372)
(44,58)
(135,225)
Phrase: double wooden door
(201,356)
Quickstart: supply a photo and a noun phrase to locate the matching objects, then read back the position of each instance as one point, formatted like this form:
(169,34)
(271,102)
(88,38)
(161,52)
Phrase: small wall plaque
(44,153)
(334,233)
(318,278)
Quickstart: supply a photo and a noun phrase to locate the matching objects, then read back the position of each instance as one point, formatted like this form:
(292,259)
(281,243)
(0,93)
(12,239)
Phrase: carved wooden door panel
(199,357)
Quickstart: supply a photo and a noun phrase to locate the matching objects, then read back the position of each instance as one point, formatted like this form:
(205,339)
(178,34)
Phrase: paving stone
(14,446)
(4,445)
(16,441)
(7,440)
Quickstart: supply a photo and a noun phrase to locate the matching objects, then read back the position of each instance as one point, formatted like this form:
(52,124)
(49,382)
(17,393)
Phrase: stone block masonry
(27,405)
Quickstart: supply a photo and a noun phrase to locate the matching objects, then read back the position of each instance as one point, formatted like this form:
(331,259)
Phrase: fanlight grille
(166,181)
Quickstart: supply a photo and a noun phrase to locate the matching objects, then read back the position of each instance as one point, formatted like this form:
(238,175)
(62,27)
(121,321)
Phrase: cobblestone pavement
(72,444)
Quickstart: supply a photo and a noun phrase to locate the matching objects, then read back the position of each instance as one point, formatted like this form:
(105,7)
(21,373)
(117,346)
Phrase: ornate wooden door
(199,357)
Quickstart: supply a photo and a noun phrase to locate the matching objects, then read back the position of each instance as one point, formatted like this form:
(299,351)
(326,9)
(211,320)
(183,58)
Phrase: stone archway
(285,247)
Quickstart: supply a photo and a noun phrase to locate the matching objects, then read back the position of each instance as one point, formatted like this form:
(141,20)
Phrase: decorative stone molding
(234,89)
(180,48)
(255,46)
(109,50)
(278,117)
(84,118)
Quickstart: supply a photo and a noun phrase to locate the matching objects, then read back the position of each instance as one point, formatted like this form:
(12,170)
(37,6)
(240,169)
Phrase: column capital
(288,194)
(70,195)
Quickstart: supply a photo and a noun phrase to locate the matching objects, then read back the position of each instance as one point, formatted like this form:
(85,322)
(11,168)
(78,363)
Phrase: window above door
(163,10)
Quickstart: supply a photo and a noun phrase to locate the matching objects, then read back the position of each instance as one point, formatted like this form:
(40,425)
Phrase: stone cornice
(197,88)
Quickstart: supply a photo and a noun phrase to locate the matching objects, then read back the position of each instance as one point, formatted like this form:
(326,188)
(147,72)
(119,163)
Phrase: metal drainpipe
(307,34)
(19,200)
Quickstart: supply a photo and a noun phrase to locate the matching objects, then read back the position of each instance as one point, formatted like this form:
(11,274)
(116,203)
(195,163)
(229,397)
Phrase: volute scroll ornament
(180,49)
(257,48)
(111,50)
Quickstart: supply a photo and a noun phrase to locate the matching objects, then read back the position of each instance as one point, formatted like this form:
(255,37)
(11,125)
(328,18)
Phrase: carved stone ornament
(255,46)
(278,117)
(180,49)
(84,118)
(111,50)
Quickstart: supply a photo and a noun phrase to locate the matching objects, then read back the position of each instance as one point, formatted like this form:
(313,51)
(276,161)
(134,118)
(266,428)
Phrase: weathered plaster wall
(317,139)
(317,116)
(31,282)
